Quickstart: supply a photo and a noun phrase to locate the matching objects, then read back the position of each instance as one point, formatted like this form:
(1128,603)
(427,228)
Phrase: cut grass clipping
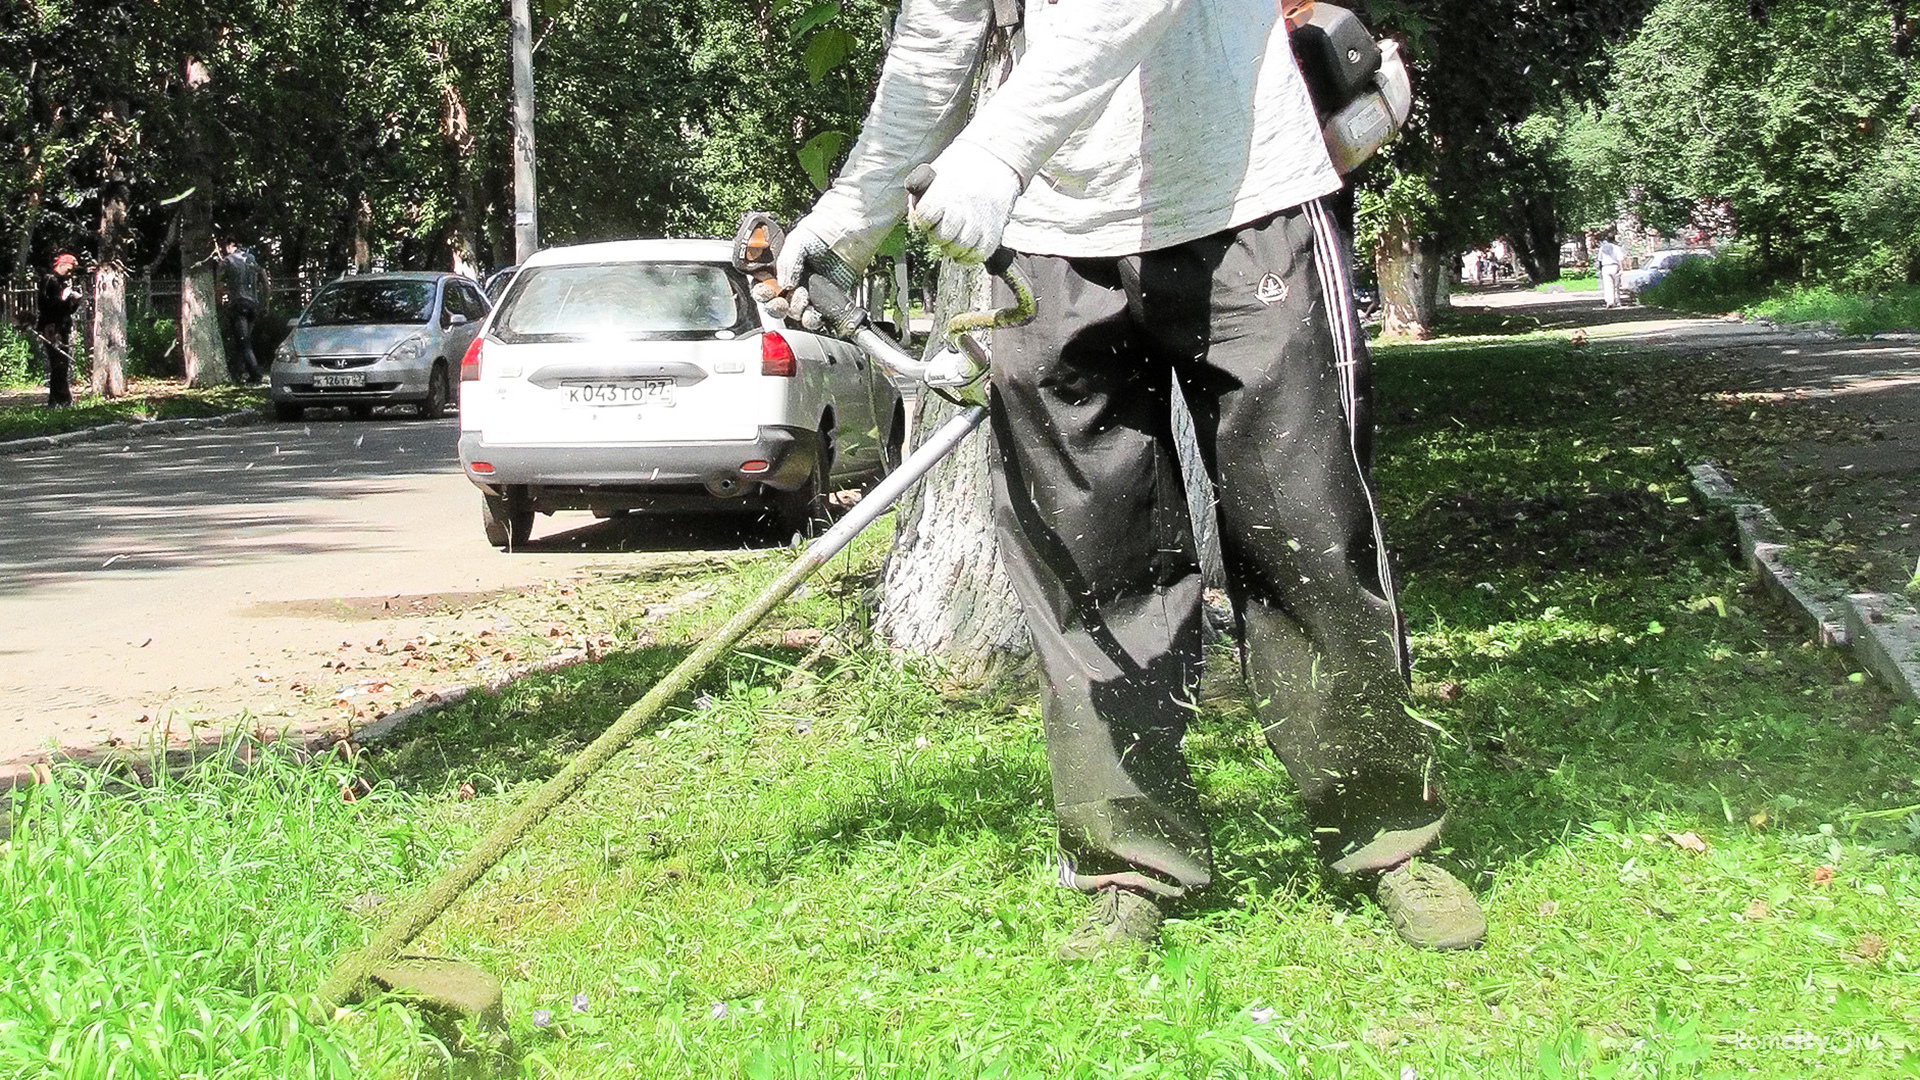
(1694,833)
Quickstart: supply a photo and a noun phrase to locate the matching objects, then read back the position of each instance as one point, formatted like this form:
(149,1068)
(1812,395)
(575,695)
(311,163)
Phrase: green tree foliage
(1482,70)
(328,126)
(1806,123)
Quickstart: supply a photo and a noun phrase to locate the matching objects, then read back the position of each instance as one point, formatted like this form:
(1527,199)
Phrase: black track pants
(1257,325)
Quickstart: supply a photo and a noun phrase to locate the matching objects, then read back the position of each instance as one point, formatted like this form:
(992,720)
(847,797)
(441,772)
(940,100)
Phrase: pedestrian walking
(59,303)
(1612,259)
(1161,174)
(242,282)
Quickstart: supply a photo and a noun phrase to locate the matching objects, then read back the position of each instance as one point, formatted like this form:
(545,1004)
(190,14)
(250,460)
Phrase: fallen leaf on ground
(1689,841)
(466,791)
(1870,947)
(1758,910)
(1823,875)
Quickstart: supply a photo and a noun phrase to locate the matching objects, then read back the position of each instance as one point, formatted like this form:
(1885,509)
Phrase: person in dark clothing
(59,302)
(241,278)
(1160,175)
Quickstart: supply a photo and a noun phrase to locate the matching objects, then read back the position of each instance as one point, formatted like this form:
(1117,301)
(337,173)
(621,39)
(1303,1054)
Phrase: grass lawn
(1697,836)
(1571,281)
(24,414)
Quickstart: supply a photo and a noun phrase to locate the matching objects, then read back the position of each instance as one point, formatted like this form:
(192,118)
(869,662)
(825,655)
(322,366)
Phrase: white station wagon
(641,375)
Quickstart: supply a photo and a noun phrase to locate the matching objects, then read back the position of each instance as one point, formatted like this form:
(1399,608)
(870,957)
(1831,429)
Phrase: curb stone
(121,429)
(1886,634)
(1882,629)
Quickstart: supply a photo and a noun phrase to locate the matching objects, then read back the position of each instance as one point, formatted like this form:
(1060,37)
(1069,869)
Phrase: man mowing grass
(1161,173)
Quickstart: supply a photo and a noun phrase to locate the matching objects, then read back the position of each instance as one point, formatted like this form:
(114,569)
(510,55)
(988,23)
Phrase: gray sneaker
(1119,917)
(1430,908)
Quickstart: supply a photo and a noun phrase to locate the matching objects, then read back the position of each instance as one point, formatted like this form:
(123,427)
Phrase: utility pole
(526,215)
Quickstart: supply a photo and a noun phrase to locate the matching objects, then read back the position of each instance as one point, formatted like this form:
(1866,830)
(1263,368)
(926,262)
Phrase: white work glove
(967,206)
(1371,120)
(804,252)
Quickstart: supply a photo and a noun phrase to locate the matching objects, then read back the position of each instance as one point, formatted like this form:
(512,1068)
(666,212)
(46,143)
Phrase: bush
(1854,313)
(16,357)
(1733,282)
(153,345)
(1726,282)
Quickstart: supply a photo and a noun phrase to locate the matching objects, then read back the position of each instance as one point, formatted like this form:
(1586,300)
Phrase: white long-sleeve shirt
(1134,124)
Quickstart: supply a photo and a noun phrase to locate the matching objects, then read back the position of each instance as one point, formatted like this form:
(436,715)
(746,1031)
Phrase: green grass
(163,931)
(26,421)
(1571,282)
(843,872)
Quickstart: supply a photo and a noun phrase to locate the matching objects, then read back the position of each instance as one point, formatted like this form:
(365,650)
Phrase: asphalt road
(147,582)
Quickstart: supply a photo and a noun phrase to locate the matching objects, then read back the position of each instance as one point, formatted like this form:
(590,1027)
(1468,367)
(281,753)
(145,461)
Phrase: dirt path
(152,584)
(1824,429)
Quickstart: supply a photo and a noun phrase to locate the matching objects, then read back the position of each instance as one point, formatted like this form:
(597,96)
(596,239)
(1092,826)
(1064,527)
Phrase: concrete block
(1886,639)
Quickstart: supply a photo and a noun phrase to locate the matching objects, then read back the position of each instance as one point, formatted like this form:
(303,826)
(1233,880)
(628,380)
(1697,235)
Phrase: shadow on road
(172,501)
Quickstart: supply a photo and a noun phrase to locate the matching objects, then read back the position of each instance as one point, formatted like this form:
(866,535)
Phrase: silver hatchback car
(378,339)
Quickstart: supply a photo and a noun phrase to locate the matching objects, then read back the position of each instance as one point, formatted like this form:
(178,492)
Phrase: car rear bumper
(790,454)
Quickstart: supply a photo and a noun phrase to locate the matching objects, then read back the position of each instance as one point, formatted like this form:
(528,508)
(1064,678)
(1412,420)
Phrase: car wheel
(287,413)
(438,394)
(360,412)
(802,512)
(507,526)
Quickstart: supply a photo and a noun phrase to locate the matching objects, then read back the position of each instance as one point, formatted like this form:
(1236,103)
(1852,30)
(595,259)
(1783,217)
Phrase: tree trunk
(23,275)
(202,350)
(362,234)
(201,347)
(1407,264)
(944,592)
(1536,236)
(458,142)
(110,291)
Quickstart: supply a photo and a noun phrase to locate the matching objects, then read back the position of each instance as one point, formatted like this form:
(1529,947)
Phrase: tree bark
(1407,263)
(30,218)
(456,138)
(201,348)
(202,351)
(362,234)
(944,592)
(109,375)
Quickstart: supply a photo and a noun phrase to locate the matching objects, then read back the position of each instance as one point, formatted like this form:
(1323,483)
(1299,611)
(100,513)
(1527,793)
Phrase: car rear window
(371,303)
(622,300)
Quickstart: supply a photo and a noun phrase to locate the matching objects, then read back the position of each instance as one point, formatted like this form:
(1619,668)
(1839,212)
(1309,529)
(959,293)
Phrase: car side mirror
(456,319)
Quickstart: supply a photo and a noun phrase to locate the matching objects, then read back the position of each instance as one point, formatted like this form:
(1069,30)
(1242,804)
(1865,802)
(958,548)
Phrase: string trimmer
(958,365)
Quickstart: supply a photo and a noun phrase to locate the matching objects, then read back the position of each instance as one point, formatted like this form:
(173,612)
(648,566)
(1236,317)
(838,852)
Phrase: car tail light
(776,356)
(481,467)
(470,363)
(755,466)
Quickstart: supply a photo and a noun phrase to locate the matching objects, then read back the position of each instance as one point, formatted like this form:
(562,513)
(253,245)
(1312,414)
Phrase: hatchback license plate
(641,392)
(356,379)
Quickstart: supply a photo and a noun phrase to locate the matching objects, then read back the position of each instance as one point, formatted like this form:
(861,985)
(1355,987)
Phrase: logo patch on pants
(1272,290)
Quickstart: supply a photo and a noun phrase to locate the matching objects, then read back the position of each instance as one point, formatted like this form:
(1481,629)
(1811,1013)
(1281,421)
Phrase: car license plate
(358,378)
(639,392)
